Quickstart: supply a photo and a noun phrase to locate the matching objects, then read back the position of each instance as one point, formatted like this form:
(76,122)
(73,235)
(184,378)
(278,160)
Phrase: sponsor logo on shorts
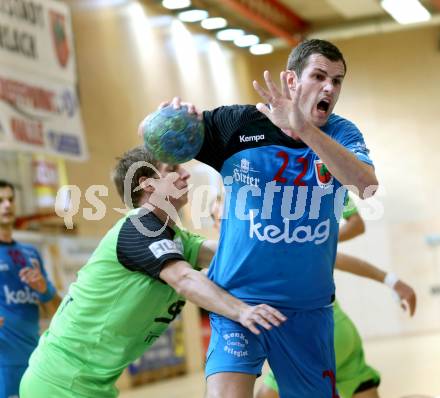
(164,246)
(25,296)
(236,344)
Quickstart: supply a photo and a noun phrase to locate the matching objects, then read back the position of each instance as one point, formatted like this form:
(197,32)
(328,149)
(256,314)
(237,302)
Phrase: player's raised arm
(196,287)
(297,110)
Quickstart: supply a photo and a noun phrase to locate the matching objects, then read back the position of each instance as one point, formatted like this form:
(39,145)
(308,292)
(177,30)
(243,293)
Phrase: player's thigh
(302,355)
(10,377)
(230,385)
(371,393)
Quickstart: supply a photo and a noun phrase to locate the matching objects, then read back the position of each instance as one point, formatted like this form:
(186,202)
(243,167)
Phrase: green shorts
(352,372)
(33,386)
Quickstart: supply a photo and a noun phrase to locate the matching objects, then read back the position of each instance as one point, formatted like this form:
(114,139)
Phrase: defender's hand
(263,315)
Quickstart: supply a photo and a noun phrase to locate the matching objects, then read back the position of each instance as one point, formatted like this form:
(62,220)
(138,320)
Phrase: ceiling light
(193,15)
(229,34)
(246,40)
(261,49)
(176,4)
(214,23)
(406,11)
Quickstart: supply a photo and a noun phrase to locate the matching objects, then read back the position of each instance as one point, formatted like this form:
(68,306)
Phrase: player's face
(7,207)
(321,84)
(180,182)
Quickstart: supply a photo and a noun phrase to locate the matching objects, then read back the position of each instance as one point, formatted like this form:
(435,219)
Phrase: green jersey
(116,309)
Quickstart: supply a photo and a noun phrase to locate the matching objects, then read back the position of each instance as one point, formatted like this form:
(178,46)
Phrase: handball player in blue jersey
(285,165)
(23,287)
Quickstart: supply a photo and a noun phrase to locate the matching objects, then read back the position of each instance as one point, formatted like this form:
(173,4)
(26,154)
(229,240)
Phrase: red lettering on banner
(18,93)
(29,132)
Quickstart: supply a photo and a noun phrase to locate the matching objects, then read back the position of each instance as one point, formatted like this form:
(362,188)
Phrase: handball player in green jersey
(132,287)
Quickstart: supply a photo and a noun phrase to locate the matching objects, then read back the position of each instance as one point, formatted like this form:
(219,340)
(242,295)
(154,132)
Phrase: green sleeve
(349,208)
(191,245)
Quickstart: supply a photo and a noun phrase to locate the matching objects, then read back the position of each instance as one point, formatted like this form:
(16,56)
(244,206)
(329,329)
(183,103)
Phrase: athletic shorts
(300,352)
(10,377)
(353,374)
(33,386)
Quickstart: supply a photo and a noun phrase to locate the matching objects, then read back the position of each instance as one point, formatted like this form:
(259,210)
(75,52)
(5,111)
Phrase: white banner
(39,114)
(36,36)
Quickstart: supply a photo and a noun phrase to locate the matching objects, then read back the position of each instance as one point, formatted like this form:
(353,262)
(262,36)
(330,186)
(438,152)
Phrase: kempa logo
(252,138)
(241,173)
(26,296)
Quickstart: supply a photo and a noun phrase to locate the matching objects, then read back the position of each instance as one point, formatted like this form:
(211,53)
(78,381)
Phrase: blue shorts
(10,377)
(300,352)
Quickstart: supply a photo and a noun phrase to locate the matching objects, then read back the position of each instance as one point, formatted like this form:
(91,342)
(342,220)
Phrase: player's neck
(6,234)
(164,217)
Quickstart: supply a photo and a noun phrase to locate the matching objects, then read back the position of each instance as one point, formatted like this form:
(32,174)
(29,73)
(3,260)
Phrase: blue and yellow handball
(172,135)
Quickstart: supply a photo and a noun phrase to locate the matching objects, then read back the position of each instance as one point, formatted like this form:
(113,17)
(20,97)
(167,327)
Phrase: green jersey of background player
(354,377)
(132,287)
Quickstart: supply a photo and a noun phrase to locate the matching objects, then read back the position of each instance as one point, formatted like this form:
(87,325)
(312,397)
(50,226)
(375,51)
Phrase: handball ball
(172,135)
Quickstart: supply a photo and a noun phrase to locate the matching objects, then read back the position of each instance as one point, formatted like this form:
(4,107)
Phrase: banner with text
(36,35)
(39,114)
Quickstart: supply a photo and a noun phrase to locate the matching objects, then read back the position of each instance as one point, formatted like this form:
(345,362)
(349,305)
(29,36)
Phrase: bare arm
(353,227)
(356,266)
(291,116)
(206,253)
(196,287)
(48,309)
(342,163)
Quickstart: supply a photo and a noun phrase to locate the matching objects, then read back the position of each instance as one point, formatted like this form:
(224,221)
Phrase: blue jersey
(18,303)
(282,207)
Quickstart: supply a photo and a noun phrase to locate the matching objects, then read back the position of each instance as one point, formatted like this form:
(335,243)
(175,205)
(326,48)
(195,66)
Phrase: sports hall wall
(126,67)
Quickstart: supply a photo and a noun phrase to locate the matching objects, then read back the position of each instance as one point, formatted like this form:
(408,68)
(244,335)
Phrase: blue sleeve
(349,136)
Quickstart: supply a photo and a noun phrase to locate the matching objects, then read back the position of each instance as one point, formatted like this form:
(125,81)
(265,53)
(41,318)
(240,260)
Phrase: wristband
(390,280)
(48,295)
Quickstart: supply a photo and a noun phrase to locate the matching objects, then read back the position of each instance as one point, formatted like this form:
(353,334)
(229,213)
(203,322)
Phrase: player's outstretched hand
(262,315)
(34,278)
(2,321)
(284,111)
(407,296)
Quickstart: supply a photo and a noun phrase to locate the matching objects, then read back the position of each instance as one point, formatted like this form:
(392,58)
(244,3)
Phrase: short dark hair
(127,160)
(299,56)
(7,184)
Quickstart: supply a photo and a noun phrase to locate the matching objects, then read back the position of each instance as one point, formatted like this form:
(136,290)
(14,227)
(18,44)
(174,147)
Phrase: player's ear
(291,79)
(144,183)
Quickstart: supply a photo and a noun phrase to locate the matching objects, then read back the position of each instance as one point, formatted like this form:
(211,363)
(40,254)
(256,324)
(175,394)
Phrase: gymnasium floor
(410,365)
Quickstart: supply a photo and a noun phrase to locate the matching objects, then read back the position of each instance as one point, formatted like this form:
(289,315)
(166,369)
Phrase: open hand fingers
(273,89)
(284,86)
(262,92)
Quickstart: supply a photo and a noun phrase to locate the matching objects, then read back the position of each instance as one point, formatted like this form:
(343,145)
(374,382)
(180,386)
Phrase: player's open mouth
(323,106)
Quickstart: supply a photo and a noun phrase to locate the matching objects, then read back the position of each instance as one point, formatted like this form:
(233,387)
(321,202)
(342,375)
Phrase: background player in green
(354,377)
(120,304)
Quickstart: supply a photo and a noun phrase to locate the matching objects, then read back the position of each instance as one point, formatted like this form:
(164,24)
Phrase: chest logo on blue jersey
(245,173)
(323,175)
